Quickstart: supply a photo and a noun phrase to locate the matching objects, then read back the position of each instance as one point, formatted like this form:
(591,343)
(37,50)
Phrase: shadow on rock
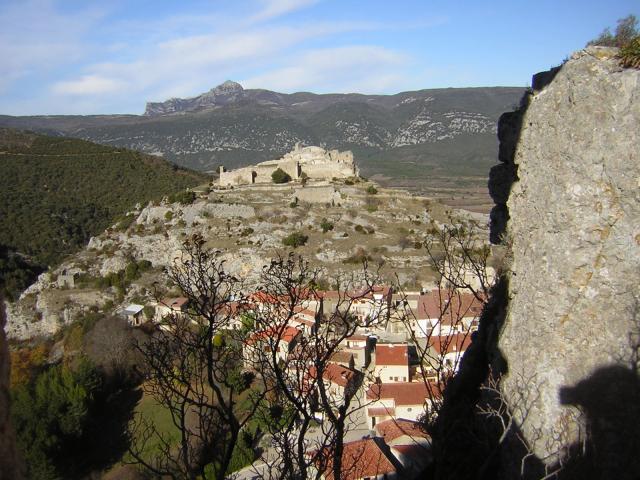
(610,402)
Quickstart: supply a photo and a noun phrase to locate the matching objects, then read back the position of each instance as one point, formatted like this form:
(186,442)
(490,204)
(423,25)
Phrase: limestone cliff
(569,340)
(550,386)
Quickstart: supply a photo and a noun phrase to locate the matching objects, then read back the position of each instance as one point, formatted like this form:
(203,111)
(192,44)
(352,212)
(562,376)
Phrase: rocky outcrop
(570,338)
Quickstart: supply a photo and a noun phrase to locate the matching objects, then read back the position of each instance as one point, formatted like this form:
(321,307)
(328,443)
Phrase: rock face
(573,318)
(227,92)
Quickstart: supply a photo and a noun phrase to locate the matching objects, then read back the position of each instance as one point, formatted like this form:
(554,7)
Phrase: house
(392,362)
(408,400)
(445,312)
(338,381)
(360,346)
(170,306)
(260,345)
(403,303)
(304,319)
(344,358)
(364,460)
(371,305)
(134,314)
(408,442)
(447,350)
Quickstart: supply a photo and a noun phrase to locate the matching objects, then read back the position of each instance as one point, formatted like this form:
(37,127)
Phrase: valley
(431,137)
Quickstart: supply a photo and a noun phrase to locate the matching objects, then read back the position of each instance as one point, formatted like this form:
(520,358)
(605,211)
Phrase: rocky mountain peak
(225,93)
(227,87)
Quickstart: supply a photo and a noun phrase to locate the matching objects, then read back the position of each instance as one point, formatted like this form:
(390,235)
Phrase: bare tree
(197,368)
(193,370)
(307,384)
(451,312)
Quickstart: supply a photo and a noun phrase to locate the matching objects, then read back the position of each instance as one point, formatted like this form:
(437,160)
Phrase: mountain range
(418,135)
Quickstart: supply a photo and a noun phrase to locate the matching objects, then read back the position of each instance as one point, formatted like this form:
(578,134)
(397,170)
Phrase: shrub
(359,256)
(168,216)
(125,222)
(280,176)
(371,190)
(186,197)
(626,30)
(149,312)
(326,225)
(295,240)
(246,232)
(630,54)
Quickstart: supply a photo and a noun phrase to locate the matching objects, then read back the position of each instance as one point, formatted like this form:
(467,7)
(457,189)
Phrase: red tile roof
(174,303)
(414,450)
(392,354)
(396,428)
(360,459)
(302,320)
(263,297)
(335,374)
(380,411)
(357,337)
(285,335)
(341,357)
(448,306)
(403,393)
(305,311)
(458,342)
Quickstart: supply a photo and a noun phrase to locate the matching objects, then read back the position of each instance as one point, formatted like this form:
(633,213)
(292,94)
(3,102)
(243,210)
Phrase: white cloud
(277,8)
(35,38)
(88,85)
(185,66)
(362,68)
(62,55)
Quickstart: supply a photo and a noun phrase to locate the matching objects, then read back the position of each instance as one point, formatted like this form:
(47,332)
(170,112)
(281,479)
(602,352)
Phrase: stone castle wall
(316,162)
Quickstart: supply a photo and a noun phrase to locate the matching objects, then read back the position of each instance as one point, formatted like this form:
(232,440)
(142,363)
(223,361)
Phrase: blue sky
(92,57)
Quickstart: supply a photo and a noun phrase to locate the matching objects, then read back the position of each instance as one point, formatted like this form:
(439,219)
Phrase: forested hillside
(55,193)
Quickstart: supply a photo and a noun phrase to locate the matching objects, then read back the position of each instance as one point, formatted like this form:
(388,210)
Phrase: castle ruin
(314,162)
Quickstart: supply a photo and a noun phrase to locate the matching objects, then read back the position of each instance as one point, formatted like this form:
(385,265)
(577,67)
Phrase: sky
(112,56)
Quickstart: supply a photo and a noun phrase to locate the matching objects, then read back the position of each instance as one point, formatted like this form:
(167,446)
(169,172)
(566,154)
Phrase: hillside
(345,221)
(55,193)
(425,136)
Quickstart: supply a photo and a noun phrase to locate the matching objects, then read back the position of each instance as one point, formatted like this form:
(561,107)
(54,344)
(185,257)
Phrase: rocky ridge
(438,130)
(246,225)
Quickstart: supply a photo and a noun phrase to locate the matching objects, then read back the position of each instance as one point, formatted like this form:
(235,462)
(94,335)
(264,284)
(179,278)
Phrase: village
(366,360)
(389,366)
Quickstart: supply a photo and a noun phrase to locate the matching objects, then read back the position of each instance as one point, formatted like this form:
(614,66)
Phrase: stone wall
(571,330)
(240,176)
(326,194)
(316,162)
